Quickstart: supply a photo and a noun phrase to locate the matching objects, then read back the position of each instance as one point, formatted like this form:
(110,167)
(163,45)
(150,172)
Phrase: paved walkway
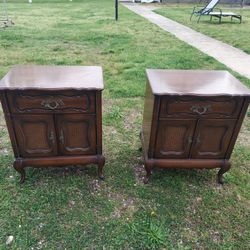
(233,58)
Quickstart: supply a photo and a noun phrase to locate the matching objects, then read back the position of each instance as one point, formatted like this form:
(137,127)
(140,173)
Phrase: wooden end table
(191,119)
(54,115)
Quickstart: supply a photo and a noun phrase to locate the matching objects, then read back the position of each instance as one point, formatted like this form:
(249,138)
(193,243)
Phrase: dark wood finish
(191,119)
(195,83)
(174,138)
(237,127)
(77,134)
(42,77)
(35,135)
(53,115)
(9,123)
(53,101)
(211,139)
(149,125)
(220,107)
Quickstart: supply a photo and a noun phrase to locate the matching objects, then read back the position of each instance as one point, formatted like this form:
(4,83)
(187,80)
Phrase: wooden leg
(19,167)
(225,167)
(148,168)
(101,162)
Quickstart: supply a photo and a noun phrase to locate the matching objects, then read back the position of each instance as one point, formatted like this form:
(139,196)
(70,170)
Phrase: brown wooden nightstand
(54,115)
(191,119)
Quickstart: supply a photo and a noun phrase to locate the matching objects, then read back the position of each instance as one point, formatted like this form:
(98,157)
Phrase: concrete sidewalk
(232,57)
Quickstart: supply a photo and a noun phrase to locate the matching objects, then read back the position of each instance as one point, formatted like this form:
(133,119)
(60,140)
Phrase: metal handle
(61,137)
(52,103)
(52,137)
(200,109)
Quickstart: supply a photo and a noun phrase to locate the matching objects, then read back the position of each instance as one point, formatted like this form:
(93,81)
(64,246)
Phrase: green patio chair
(208,10)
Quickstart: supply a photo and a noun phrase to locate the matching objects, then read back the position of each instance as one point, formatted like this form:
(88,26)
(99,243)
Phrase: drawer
(55,102)
(216,107)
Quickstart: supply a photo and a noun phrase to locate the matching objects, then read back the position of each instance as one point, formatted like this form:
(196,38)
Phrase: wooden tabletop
(53,77)
(195,82)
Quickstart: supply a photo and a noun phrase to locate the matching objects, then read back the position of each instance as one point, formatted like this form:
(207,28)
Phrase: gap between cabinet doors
(204,138)
(63,134)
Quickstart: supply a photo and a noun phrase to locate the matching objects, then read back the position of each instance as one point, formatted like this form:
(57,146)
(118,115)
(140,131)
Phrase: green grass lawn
(233,33)
(69,208)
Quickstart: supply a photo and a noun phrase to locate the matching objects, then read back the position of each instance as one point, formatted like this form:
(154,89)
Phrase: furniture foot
(101,162)
(225,167)
(148,168)
(19,167)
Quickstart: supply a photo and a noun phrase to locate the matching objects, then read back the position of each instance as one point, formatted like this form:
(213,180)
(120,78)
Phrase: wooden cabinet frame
(183,111)
(41,102)
(174,138)
(76,134)
(35,135)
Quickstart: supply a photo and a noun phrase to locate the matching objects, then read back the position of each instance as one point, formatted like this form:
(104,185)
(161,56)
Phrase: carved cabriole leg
(101,162)
(148,167)
(224,168)
(19,167)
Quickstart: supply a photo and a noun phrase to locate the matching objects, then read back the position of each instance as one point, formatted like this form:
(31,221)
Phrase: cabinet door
(174,138)
(212,138)
(35,135)
(77,134)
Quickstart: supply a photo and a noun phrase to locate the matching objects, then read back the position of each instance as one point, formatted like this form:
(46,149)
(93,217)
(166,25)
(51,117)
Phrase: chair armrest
(200,8)
(217,9)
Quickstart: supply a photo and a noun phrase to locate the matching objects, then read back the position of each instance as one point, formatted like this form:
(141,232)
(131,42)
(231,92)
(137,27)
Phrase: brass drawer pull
(200,110)
(52,103)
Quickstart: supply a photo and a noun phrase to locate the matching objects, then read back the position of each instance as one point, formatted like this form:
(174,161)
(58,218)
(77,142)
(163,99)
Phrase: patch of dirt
(139,173)
(5,147)
(95,185)
(215,235)
(107,104)
(4,151)
(130,118)
(244,135)
(127,208)
(109,130)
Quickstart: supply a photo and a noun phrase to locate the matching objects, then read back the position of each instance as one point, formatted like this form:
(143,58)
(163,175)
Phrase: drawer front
(226,107)
(55,102)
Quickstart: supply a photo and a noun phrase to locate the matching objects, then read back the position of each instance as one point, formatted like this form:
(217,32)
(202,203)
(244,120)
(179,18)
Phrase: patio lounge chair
(208,10)
(5,21)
